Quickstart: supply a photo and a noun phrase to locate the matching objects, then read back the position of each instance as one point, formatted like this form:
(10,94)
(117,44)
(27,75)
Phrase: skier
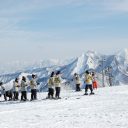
(57,81)
(3,91)
(16,89)
(23,89)
(77,81)
(94,81)
(6,93)
(33,86)
(51,86)
(9,94)
(88,81)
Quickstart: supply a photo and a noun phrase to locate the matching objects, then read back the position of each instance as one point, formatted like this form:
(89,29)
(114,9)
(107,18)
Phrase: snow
(80,64)
(106,109)
(86,61)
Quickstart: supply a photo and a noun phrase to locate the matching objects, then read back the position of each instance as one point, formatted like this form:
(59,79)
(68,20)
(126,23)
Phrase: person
(16,89)
(57,82)
(77,81)
(94,81)
(9,94)
(33,86)
(51,86)
(3,91)
(88,81)
(23,89)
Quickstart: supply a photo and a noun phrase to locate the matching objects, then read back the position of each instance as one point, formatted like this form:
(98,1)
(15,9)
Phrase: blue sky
(43,29)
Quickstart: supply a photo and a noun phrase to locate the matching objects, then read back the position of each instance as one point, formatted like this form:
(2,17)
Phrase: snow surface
(107,109)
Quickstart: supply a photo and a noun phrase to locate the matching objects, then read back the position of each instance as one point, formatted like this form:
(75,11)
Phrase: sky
(44,29)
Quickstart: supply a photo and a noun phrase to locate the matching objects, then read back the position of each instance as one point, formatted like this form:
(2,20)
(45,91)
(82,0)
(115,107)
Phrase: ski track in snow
(107,109)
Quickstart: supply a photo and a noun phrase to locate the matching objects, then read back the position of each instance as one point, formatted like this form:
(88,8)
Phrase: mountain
(114,68)
(18,66)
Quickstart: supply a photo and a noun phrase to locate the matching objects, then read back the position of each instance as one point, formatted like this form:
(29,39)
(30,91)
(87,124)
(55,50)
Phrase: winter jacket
(94,82)
(51,82)
(57,81)
(15,86)
(33,84)
(2,90)
(77,80)
(23,86)
(88,79)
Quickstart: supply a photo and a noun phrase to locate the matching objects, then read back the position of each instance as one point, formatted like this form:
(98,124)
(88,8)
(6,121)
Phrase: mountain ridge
(114,66)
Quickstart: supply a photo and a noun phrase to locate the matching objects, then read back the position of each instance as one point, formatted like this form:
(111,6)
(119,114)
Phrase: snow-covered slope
(106,109)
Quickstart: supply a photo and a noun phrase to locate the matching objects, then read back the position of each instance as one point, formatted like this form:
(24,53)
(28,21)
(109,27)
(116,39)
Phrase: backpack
(57,80)
(88,78)
(51,82)
(31,82)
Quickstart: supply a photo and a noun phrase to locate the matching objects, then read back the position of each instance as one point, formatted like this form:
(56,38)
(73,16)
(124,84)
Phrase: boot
(86,93)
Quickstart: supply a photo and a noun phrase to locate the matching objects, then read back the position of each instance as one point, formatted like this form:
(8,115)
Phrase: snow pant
(50,92)
(8,94)
(57,92)
(16,94)
(5,97)
(88,86)
(94,85)
(33,94)
(24,95)
(77,87)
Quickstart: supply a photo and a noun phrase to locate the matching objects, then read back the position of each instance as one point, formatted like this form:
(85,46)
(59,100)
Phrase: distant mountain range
(112,66)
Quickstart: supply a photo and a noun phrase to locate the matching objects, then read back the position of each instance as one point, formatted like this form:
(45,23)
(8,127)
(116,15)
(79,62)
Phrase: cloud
(15,7)
(15,12)
(12,12)
(115,5)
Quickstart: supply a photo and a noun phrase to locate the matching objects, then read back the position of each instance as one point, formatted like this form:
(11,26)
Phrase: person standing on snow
(51,86)
(33,86)
(77,81)
(16,89)
(88,81)
(3,91)
(57,82)
(94,83)
(23,89)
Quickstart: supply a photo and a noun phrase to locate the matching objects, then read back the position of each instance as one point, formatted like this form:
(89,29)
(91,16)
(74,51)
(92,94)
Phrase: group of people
(21,86)
(54,86)
(54,82)
(89,80)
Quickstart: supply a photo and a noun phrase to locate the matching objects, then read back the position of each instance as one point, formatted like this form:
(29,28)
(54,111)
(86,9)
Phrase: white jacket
(16,86)
(23,85)
(33,84)
(77,80)
(2,90)
(57,81)
(51,82)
